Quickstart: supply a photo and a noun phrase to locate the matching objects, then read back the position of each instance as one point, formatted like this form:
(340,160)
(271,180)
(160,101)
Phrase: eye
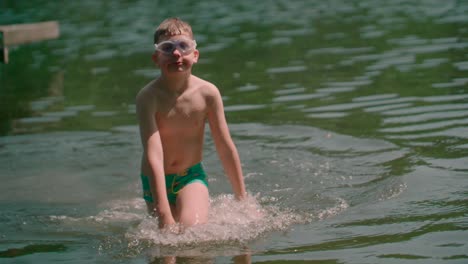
(166,47)
(184,45)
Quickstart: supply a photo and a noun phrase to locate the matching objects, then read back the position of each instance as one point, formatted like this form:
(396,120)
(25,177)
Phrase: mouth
(178,63)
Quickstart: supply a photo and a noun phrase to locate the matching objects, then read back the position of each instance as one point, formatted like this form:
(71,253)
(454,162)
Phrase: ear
(196,55)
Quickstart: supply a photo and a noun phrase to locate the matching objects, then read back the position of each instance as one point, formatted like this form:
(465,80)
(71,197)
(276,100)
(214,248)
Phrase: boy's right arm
(151,140)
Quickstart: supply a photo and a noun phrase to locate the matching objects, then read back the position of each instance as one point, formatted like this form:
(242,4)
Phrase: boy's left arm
(226,148)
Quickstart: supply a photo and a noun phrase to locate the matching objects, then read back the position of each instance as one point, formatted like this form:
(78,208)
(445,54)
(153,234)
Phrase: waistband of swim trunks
(195,167)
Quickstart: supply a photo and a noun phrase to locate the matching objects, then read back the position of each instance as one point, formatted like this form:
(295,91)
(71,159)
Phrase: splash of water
(231,225)
(229,221)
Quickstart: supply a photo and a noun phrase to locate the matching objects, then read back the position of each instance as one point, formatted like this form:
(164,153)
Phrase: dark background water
(350,118)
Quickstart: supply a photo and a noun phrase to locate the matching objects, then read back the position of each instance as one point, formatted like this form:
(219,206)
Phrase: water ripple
(425,127)
(425,117)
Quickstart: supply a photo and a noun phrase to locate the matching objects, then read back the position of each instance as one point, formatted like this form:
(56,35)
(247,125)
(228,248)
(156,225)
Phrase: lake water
(351,119)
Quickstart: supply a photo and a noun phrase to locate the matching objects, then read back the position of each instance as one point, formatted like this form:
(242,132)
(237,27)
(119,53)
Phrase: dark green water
(351,119)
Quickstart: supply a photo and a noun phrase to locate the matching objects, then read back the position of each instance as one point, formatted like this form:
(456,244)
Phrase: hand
(241,197)
(251,207)
(166,221)
(168,225)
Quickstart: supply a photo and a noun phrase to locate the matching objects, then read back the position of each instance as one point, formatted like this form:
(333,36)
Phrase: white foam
(229,221)
(338,208)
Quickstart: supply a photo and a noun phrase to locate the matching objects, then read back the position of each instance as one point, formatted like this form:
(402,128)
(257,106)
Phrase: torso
(181,124)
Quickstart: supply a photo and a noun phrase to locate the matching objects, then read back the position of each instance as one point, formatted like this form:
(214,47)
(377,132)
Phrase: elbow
(228,151)
(153,146)
(154,157)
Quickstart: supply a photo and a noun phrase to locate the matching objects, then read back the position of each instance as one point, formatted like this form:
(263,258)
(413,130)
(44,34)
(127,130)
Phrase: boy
(172,111)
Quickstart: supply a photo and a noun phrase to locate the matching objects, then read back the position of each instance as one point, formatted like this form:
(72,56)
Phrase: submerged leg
(193,204)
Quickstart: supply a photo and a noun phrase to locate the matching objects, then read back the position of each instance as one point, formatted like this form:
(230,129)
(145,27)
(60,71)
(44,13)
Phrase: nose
(176,53)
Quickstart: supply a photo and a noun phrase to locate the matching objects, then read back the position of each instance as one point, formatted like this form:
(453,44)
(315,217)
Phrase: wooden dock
(17,34)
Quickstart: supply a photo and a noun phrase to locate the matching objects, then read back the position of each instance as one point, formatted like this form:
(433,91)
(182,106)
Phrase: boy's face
(175,54)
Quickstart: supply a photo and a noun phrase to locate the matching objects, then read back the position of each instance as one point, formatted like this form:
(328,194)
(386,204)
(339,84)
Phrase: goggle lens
(185,47)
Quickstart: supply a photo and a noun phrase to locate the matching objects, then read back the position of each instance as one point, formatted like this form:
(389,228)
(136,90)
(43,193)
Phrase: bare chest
(186,113)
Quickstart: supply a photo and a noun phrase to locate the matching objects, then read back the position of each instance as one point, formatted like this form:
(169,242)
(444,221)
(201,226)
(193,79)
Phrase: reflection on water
(350,117)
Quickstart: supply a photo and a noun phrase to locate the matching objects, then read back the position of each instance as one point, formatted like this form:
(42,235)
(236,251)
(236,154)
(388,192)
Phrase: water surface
(350,118)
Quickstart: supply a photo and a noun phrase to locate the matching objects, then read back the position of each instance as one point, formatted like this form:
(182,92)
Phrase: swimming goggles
(184,46)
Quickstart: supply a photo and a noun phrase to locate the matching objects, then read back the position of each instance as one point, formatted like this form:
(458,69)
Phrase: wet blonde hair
(171,27)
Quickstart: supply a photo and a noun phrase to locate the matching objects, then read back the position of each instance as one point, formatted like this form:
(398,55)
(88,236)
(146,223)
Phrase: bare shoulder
(146,91)
(146,95)
(207,89)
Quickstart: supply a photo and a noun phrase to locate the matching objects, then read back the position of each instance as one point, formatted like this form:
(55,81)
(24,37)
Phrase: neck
(176,85)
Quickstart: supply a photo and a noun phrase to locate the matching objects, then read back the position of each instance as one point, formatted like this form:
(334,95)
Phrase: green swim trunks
(175,182)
